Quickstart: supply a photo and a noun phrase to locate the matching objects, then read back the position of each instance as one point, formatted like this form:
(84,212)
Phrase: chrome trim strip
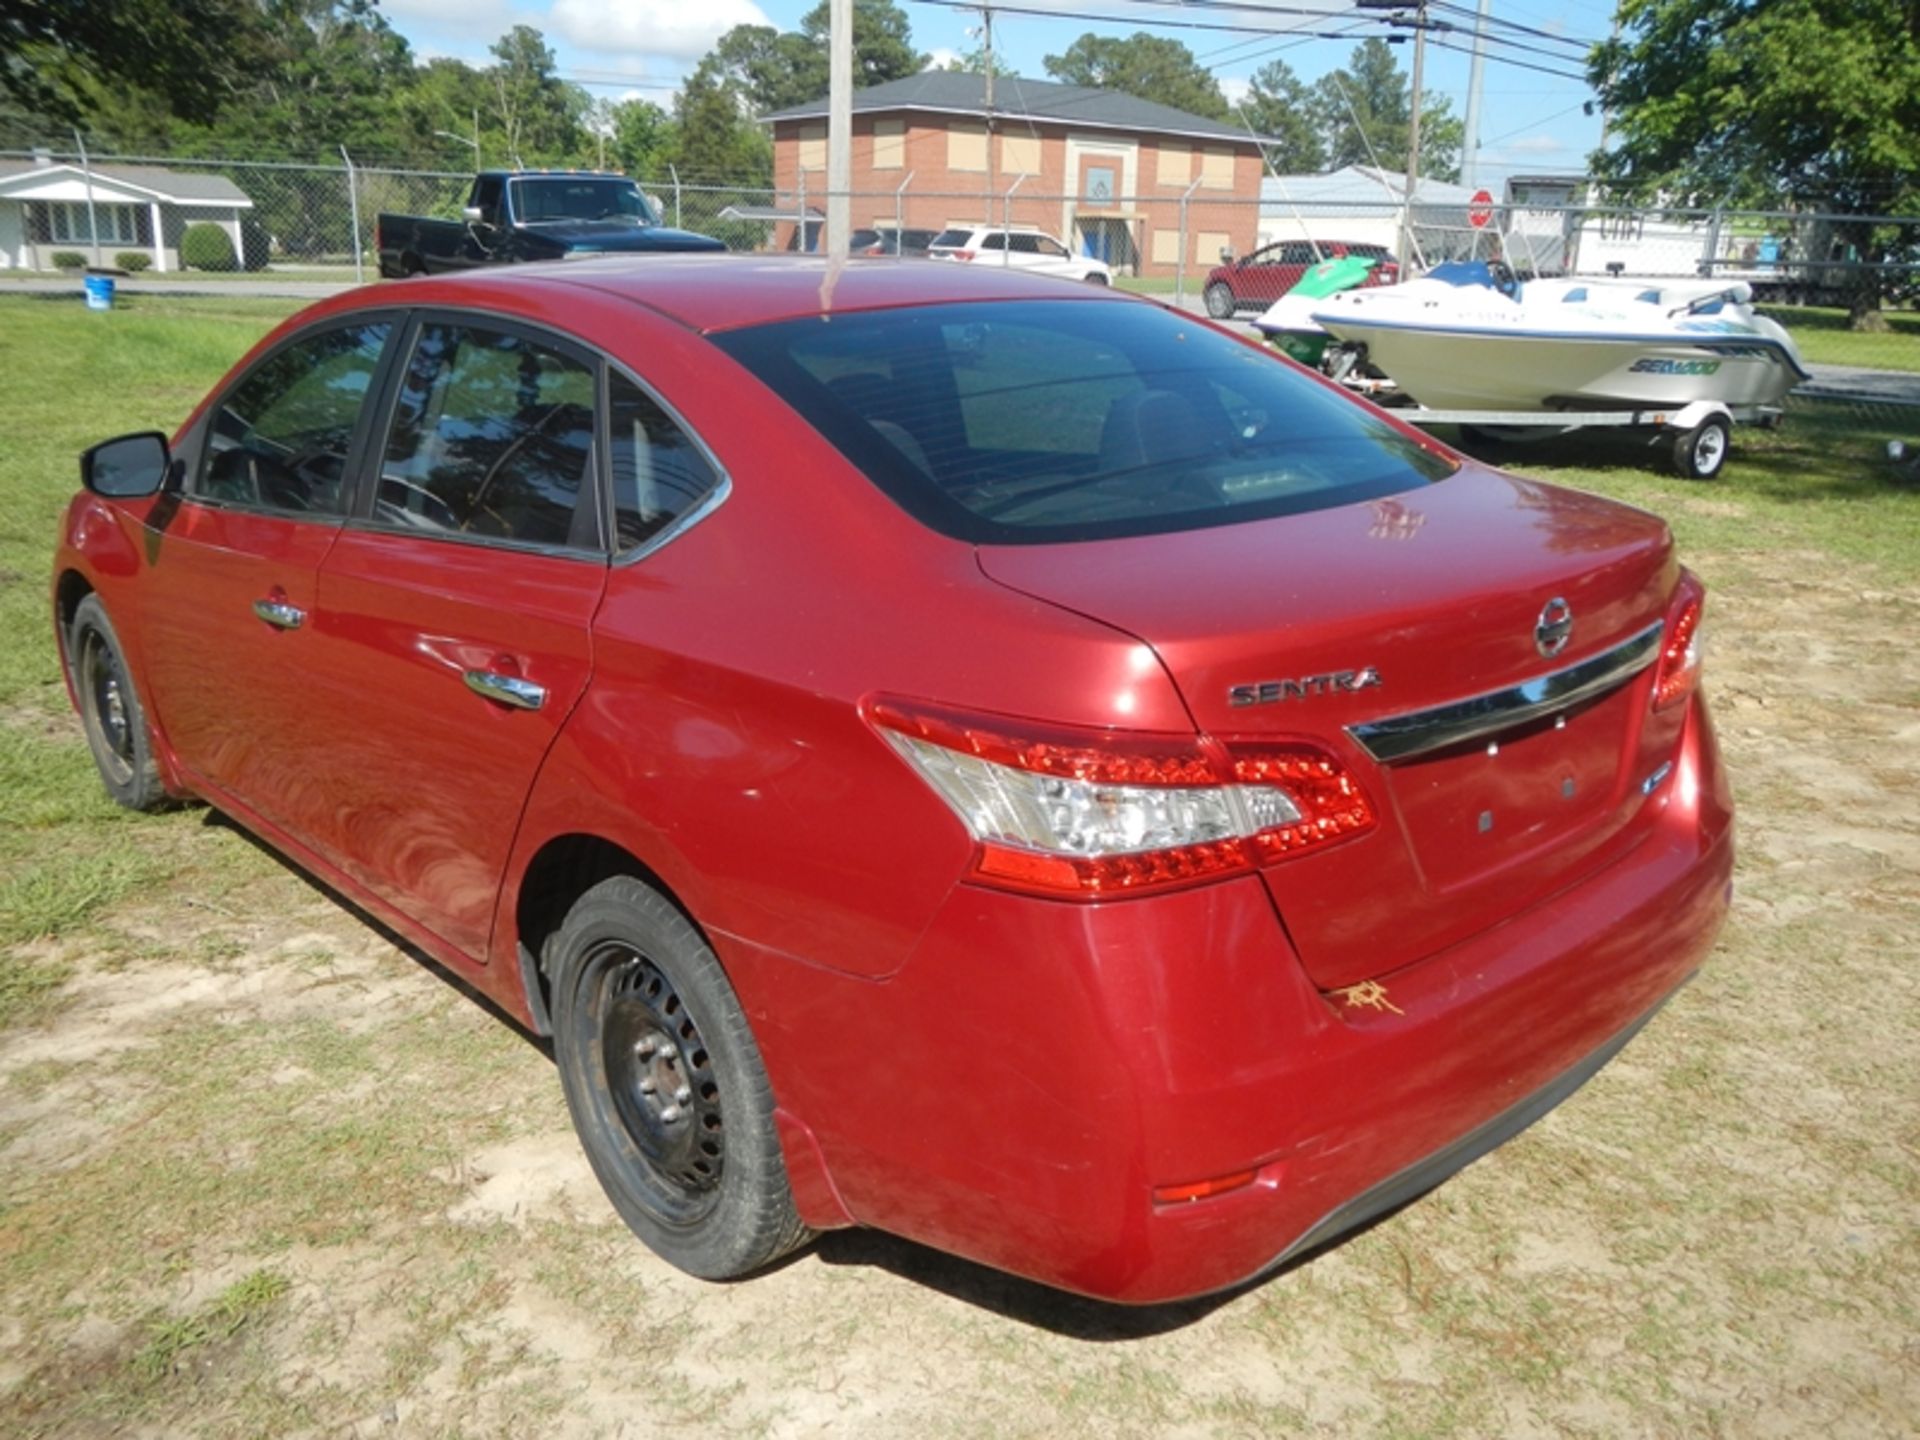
(1399,737)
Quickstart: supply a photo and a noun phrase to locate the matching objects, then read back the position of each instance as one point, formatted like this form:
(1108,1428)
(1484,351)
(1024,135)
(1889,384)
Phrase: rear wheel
(665,1085)
(110,710)
(1220,300)
(1699,453)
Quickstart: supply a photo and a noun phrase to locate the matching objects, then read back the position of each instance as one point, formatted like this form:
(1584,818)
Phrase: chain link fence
(1846,286)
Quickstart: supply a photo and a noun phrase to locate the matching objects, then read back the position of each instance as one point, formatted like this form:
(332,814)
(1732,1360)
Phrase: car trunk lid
(1404,635)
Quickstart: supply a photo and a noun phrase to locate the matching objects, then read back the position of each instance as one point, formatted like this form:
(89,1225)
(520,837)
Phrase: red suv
(1255,281)
(936,748)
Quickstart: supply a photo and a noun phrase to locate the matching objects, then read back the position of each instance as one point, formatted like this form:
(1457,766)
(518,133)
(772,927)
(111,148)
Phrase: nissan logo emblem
(1554,628)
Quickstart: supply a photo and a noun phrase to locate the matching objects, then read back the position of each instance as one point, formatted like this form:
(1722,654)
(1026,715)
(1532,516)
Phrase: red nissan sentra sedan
(937,749)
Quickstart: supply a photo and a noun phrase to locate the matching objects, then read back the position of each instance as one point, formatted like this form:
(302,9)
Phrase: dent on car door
(457,610)
(228,599)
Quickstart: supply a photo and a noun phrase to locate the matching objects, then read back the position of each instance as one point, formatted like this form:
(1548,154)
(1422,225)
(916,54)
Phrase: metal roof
(1360,185)
(955,92)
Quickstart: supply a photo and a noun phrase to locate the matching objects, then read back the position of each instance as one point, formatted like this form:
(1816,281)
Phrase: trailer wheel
(1699,453)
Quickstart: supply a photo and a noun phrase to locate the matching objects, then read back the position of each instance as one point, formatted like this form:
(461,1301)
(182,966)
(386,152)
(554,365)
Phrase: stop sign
(1480,209)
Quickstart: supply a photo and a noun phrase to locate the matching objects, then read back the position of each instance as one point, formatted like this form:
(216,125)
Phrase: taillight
(1678,674)
(963,254)
(1086,814)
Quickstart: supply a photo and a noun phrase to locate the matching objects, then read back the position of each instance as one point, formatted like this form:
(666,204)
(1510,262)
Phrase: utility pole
(986,42)
(1419,24)
(1470,139)
(1413,135)
(839,128)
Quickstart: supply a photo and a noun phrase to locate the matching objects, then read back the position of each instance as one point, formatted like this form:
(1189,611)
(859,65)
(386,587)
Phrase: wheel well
(72,589)
(563,870)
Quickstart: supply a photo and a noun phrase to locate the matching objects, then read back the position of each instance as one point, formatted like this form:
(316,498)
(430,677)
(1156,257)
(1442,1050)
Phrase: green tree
(1279,107)
(1366,112)
(1803,102)
(774,69)
(538,115)
(59,62)
(642,138)
(715,141)
(882,42)
(1143,65)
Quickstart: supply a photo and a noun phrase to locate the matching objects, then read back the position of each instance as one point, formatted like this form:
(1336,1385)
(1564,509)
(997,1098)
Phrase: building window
(889,144)
(1176,165)
(1020,154)
(1208,246)
(813,147)
(1100,184)
(1216,169)
(119,224)
(967,147)
(1166,246)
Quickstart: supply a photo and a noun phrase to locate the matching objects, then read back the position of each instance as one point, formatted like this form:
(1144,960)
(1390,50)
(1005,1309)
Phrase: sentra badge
(1307,687)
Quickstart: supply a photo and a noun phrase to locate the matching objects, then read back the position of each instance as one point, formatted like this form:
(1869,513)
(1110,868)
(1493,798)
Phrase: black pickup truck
(522,215)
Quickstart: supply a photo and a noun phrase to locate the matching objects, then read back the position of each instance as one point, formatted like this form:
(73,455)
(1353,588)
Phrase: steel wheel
(665,1084)
(1220,302)
(103,706)
(660,1080)
(110,709)
(1699,453)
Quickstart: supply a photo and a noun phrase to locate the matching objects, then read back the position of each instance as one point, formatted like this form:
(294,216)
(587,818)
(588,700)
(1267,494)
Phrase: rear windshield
(1042,421)
(950,240)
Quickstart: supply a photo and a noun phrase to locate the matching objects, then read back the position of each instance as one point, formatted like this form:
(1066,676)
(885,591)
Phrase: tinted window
(994,241)
(486,193)
(658,472)
(279,439)
(537,202)
(1064,420)
(951,239)
(492,436)
(1024,244)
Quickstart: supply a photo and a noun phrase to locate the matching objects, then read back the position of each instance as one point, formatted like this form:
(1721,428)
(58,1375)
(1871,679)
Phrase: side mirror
(475,215)
(128,467)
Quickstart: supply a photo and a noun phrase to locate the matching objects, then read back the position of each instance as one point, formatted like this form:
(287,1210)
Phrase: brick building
(1102,170)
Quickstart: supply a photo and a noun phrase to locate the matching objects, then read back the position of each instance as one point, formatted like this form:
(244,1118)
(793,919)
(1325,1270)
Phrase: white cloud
(1541,144)
(939,58)
(1236,88)
(650,27)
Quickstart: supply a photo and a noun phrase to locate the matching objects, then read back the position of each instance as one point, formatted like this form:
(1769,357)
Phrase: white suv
(1023,249)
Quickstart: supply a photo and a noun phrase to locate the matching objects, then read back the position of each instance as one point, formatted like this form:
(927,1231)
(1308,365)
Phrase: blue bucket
(99,292)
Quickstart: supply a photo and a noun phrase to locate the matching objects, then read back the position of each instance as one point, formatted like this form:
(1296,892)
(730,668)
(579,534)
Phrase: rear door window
(659,473)
(279,439)
(491,438)
(1044,421)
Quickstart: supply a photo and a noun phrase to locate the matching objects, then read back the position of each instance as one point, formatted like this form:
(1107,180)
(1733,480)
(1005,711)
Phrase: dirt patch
(1719,1235)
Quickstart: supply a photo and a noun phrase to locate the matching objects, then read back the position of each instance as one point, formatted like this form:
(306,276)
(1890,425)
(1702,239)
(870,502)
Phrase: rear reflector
(1201,1189)
(1085,814)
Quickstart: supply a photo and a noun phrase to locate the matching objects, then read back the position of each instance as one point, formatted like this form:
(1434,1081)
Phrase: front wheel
(110,710)
(1699,453)
(1096,278)
(665,1085)
(1220,301)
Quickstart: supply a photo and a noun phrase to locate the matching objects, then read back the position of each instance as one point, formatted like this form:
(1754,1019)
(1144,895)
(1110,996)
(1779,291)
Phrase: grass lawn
(261,1174)
(1825,339)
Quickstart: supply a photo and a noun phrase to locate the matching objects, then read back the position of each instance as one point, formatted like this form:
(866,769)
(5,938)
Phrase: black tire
(1096,278)
(1699,453)
(1219,299)
(110,710)
(665,1085)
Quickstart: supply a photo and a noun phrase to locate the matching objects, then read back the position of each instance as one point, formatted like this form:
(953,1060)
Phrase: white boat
(1469,337)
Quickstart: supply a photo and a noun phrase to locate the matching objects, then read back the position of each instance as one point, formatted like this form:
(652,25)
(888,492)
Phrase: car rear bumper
(1018,1091)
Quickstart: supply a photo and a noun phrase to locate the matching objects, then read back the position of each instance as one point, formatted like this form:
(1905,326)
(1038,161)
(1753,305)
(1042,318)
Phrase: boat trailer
(1699,435)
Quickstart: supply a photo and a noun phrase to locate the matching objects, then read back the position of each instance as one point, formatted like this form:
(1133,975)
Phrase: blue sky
(1530,122)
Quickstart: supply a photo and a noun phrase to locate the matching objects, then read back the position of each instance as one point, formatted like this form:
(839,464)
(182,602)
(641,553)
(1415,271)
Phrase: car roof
(711,292)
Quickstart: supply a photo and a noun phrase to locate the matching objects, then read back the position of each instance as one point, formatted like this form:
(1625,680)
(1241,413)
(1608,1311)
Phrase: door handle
(279,614)
(507,689)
